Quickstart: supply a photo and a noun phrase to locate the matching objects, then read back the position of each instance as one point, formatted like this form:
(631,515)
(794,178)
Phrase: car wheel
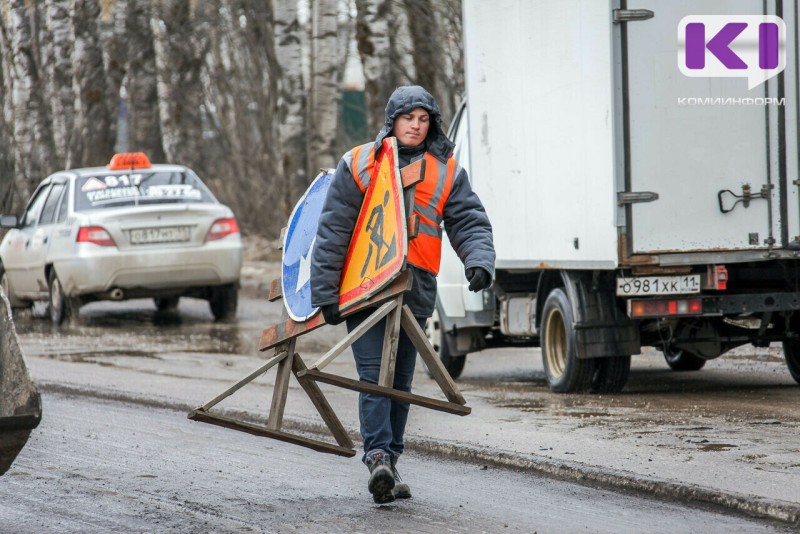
(15,303)
(565,372)
(437,338)
(681,360)
(61,307)
(611,374)
(167,304)
(223,302)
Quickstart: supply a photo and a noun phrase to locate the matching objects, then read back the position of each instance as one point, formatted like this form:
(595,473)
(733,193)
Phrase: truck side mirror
(9,221)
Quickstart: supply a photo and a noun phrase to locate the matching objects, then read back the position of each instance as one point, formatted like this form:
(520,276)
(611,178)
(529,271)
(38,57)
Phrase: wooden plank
(281,389)
(359,331)
(429,356)
(413,226)
(289,329)
(282,238)
(390,340)
(279,355)
(275,291)
(413,173)
(366,387)
(322,405)
(256,430)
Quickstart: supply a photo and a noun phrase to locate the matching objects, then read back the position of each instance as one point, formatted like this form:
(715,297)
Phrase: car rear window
(139,188)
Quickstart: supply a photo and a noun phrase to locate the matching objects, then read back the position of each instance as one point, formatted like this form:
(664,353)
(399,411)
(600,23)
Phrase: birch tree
(402,49)
(260,38)
(240,82)
(92,115)
(33,140)
(144,128)
(291,100)
(324,92)
(374,47)
(386,50)
(450,83)
(8,197)
(410,41)
(346,34)
(114,47)
(426,52)
(59,76)
(180,41)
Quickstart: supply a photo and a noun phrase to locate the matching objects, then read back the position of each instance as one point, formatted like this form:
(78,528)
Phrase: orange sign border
(354,296)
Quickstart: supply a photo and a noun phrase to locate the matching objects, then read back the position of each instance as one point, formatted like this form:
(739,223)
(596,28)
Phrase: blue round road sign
(298,246)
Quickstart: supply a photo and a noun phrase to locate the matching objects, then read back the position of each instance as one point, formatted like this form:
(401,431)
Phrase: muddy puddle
(655,396)
(136,329)
(106,331)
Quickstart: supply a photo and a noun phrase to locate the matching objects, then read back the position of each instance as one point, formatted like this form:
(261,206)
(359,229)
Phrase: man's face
(411,128)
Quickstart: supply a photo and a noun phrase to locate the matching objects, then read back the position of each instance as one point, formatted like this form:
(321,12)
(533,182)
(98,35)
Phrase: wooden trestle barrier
(282,338)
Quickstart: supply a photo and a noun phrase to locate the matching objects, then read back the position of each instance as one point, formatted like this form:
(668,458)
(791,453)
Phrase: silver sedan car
(127,230)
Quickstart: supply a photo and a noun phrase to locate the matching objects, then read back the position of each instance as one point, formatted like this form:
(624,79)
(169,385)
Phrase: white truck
(635,201)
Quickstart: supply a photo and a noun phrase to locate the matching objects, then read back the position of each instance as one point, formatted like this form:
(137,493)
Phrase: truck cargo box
(639,164)
(580,107)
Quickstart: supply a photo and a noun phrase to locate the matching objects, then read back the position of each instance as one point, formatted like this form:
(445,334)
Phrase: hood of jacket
(407,98)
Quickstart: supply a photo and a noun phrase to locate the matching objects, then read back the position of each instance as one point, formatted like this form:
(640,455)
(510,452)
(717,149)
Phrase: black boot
(381,479)
(401,489)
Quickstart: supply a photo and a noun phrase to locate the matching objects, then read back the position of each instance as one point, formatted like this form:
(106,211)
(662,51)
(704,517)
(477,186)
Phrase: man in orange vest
(444,196)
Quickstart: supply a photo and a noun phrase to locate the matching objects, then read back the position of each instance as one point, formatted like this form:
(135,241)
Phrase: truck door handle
(45,240)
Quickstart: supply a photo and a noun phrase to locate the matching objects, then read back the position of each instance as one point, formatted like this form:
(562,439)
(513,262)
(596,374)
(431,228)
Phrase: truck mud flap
(20,402)
(602,329)
(605,340)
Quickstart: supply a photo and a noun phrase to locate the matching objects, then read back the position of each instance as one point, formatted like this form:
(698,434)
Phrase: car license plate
(658,285)
(172,234)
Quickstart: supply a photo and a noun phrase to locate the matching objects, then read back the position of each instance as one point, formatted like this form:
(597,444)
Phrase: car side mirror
(9,221)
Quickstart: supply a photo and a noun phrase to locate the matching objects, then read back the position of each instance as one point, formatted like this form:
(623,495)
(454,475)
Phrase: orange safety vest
(425,250)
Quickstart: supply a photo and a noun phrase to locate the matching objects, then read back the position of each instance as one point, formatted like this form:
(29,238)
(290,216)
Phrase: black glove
(479,278)
(331,314)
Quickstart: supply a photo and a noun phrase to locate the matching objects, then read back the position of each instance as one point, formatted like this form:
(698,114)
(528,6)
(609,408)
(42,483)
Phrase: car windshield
(139,188)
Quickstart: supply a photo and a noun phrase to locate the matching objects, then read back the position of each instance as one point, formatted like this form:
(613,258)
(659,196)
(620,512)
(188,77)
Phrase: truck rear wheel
(565,372)
(437,338)
(680,360)
(611,374)
(791,353)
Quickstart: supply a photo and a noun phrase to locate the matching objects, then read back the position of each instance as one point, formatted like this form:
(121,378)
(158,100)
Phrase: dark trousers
(383,420)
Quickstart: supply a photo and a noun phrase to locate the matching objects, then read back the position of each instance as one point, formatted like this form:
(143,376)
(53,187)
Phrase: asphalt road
(724,435)
(102,466)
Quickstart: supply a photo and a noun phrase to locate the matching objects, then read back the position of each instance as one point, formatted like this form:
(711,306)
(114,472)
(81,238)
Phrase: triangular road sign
(378,248)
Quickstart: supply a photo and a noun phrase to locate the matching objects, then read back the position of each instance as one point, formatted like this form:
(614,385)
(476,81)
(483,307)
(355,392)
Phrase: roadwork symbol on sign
(377,251)
(301,235)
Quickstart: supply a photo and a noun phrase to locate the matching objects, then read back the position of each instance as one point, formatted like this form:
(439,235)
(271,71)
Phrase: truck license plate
(174,234)
(658,285)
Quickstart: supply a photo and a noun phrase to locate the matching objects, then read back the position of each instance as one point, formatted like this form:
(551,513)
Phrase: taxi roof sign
(129,160)
(378,247)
